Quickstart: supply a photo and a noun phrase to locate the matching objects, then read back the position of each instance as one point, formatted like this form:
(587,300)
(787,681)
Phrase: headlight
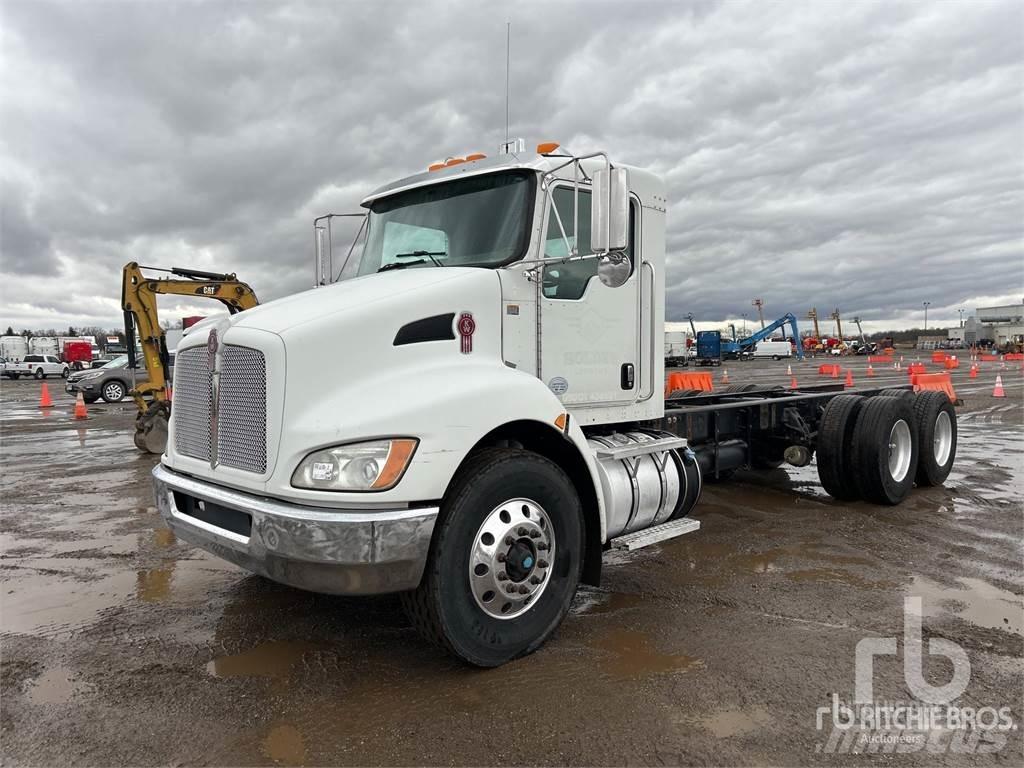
(372,466)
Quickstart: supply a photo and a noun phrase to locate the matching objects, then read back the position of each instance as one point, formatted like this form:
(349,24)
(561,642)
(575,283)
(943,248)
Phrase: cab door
(589,333)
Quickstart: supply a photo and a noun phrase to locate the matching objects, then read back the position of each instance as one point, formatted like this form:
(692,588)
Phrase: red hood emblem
(466,326)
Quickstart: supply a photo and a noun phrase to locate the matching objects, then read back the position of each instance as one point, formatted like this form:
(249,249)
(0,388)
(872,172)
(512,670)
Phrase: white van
(776,350)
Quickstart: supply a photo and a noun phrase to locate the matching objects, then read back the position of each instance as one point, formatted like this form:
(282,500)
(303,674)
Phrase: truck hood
(400,287)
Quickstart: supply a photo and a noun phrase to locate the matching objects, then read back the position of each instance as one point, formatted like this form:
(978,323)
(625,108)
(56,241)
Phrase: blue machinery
(736,348)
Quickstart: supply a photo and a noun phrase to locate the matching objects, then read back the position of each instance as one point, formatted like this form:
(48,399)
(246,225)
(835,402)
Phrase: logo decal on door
(467,327)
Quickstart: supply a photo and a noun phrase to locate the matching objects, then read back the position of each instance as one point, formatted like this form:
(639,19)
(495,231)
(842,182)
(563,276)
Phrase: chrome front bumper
(337,551)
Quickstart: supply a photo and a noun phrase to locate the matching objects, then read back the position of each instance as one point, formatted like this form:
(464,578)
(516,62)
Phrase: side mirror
(609,214)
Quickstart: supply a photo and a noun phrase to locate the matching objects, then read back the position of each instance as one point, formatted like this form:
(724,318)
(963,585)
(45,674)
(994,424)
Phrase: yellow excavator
(138,300)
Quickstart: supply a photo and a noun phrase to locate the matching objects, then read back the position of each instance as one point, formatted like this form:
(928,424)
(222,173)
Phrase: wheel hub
(511,558)
(942,442)
(900,450)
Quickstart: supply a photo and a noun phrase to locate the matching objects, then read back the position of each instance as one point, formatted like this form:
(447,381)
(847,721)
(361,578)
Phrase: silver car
(111,382)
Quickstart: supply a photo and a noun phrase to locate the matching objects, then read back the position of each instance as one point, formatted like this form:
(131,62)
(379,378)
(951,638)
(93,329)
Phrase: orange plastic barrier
(1014,356)
(916,368)
(951,362)
(939,357)
(890,351)
(939,382)
(697,380)
(989,358)
(878,358)
(829,370)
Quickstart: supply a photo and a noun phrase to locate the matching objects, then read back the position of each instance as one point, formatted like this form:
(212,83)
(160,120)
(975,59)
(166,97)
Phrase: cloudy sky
(866,156)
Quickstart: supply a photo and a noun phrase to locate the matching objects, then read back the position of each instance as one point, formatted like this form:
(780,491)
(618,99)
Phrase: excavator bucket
(151,428)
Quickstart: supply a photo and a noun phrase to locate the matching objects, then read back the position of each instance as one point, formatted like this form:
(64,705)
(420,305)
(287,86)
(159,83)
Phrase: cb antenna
(508,48)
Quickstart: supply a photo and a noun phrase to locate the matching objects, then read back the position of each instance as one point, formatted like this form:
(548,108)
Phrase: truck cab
(468,411)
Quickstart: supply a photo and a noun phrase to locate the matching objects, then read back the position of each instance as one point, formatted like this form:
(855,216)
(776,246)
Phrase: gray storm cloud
(866,156)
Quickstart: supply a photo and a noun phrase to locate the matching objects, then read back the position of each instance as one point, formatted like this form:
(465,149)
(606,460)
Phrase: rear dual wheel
(885,450)
(505,560)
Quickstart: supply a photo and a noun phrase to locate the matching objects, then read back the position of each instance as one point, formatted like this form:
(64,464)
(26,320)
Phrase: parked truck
(475,413)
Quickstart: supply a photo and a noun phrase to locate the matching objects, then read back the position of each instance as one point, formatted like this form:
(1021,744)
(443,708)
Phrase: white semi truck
(470,409)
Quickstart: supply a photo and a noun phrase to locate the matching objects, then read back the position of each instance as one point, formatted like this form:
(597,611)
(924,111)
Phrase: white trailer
(478,414)
(13,348)
(44,345)
(676,348)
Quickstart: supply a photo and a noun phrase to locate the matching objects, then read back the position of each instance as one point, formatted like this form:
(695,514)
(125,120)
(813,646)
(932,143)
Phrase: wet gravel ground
(121,645)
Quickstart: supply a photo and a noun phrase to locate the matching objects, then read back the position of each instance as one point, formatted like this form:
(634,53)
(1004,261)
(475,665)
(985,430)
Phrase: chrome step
(641,449)
(656,533)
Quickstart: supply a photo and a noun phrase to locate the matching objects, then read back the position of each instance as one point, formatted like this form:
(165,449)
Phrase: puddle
(712,563)
(633,655)
(592,602)
(55,686)
(835,576)
(283,744)
(977,602)
(274,659)
(729,723)
(55,595)
(37,603)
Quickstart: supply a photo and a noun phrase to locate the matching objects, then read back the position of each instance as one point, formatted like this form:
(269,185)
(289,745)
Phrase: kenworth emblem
(211,343)
(466,326)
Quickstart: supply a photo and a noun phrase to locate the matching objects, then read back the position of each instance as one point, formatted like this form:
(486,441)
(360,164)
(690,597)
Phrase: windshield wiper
(401,265)
(429,254)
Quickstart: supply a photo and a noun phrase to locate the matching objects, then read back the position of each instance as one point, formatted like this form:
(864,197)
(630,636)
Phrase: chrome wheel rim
(942,441)
(510,558)
(114,392)
(900,449)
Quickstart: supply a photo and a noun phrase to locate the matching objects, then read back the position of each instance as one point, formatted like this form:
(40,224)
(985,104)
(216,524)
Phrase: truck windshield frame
(483,220)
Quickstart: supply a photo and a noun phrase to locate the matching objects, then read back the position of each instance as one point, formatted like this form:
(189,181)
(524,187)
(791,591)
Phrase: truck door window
(569,281)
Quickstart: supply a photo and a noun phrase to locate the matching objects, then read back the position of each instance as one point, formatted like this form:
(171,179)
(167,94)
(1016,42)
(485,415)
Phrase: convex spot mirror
(614,269)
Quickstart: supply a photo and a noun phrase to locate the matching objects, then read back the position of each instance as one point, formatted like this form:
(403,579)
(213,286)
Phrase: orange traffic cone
(789,370)
(792,382)
(901,358)
(871,371)
(170,393)
(974,372)
(835,371)
(998,391)
(44,397)
(80,412)
(725,376)
(849,378)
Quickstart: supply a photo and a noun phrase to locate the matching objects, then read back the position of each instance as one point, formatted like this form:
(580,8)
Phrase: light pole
(926,303)
(744,316)
(961,317)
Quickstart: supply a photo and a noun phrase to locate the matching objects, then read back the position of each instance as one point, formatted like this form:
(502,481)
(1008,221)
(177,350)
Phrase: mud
(121,645)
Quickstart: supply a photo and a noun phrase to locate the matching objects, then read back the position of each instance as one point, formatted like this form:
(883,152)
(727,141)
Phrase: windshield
(481,221)
(118,362)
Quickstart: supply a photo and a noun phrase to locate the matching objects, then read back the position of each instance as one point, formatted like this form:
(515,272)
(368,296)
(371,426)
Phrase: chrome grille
(193,403)
(242,409)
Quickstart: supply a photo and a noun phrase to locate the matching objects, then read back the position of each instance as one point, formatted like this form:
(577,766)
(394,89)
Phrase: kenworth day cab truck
(471,411)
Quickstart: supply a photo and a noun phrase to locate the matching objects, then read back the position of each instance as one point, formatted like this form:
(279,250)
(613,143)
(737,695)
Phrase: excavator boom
(138,300)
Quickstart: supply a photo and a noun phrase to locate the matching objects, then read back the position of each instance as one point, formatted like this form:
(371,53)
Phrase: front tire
(502,507)
(40,373)
(113,392)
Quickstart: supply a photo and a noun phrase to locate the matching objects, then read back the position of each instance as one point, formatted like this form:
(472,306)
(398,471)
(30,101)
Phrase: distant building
(1000,325)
